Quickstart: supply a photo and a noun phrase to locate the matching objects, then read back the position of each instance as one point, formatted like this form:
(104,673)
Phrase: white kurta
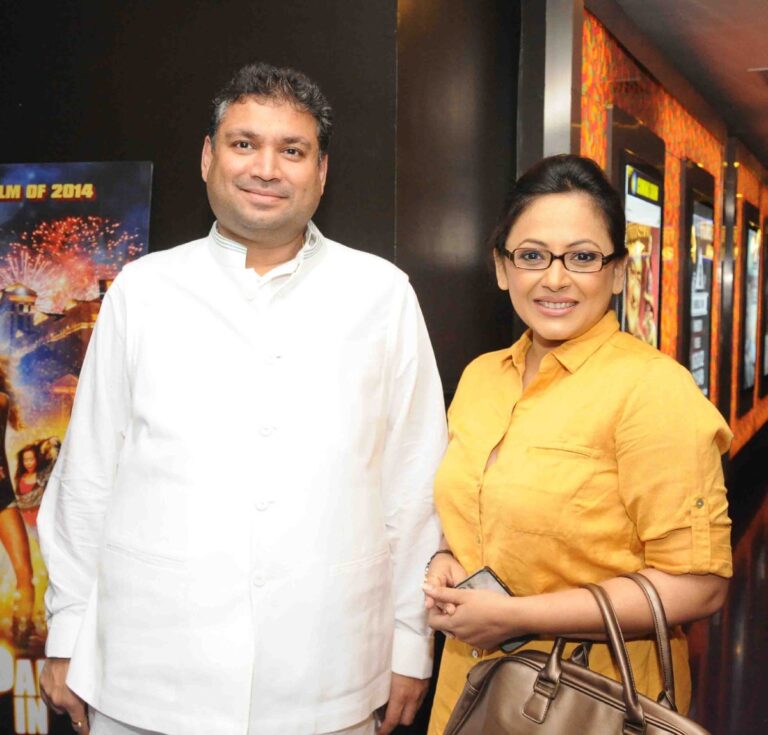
(237,525)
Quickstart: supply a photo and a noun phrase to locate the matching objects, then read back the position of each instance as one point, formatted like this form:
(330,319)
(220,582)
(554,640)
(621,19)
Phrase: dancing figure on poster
(13,534)
(32,472)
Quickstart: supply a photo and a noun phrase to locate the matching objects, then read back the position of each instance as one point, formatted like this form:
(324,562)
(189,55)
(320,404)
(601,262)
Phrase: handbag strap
(634,719)
(663,649)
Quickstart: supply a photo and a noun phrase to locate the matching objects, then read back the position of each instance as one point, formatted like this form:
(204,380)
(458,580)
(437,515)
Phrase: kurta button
(700,503)
(475,653)
(259,580)
(262,505)
(266,430)
(477,538)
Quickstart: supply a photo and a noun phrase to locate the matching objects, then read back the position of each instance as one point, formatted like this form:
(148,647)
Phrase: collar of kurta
(575,352)
(231,253)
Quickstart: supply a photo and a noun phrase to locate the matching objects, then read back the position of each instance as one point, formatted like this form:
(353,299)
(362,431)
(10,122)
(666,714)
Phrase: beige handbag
(535,693)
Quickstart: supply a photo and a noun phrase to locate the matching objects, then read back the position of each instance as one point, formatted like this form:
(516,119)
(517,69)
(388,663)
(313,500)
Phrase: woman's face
(29,461)
(555,303)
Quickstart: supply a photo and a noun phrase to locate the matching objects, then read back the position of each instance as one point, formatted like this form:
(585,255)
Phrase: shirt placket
(480,537)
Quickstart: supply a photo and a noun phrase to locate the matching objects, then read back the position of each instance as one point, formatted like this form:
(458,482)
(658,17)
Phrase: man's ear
(323,171)
(206,158)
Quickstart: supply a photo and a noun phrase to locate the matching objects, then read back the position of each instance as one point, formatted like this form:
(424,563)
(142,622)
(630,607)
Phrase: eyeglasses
(576,261)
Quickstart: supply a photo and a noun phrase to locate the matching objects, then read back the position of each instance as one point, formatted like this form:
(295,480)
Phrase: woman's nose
(556,276)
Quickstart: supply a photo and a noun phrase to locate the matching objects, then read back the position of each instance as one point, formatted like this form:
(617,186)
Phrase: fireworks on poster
(66,230)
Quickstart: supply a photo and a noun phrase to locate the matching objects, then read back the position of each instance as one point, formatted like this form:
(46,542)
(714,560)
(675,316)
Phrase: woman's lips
(555,308)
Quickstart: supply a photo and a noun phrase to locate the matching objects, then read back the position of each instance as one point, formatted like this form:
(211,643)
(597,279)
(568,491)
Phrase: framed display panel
(749,298)
(697,220)
(764,326)
(636,166)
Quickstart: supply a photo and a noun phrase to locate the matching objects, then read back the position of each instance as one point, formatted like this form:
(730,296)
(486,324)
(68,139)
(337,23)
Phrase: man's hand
(59,697)
(405,697)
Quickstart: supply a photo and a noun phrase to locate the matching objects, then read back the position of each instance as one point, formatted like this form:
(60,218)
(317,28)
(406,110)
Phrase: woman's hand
(444,571)
(484,619)
(481,618)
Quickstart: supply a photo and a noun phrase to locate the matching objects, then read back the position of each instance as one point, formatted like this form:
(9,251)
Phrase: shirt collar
(231,253)
(573,353)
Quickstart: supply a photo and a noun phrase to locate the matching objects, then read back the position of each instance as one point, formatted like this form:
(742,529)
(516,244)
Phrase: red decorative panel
(594,93)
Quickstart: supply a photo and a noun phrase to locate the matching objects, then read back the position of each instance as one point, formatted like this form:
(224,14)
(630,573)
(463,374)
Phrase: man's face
(264,173)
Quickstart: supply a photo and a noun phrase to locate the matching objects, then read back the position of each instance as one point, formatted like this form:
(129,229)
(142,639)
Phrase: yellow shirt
(608,462)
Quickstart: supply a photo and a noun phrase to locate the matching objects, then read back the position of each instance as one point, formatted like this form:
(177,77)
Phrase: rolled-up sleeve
(416,440)
(668,446)
(72,512)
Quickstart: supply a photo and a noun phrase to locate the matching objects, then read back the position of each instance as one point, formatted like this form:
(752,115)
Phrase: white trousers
(103,725)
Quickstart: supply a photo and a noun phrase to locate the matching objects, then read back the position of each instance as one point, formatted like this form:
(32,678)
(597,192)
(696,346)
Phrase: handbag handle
(635,719)
(666,697)
(547,682)
(663,649)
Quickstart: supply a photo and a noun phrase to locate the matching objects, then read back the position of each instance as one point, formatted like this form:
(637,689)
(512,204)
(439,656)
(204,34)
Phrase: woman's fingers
(445,595)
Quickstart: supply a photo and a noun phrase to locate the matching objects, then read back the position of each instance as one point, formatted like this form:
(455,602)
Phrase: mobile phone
(486,579)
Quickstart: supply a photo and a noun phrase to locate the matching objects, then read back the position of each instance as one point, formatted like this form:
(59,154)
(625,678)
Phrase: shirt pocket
(538,497)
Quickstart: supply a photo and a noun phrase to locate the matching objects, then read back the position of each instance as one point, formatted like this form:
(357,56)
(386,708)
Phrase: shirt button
(262,505)
(259,580)
(700,503)
(475,653)
(477,538)
(266,430)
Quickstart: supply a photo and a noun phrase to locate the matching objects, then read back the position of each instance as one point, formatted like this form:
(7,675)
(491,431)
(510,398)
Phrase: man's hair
(279,84)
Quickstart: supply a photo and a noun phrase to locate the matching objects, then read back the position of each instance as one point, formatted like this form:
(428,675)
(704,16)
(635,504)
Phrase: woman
(13,534)
(29,482)
(577,455)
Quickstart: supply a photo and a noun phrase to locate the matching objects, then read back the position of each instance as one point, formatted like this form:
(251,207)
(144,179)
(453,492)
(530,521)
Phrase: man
(237,525)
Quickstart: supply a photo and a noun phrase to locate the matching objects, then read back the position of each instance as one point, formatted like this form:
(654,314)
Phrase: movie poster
(764,383)
(65,231)
(702,255)
(642,290)
(751,291)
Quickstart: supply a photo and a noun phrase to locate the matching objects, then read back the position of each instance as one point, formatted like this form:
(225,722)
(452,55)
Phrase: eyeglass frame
(510,255)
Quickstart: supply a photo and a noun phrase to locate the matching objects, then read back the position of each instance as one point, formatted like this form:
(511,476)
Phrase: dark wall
(457,95)
(95,80)
(424,93)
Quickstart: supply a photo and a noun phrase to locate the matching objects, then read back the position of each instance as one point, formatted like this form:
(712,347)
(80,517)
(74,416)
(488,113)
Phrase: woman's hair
(14,417)
(564,174)
(20,470)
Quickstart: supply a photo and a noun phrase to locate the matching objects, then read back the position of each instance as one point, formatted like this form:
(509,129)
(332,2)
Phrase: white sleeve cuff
(412,654)
(63,630)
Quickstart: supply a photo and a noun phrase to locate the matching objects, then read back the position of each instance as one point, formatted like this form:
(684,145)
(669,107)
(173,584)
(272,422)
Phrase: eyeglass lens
(583,261)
